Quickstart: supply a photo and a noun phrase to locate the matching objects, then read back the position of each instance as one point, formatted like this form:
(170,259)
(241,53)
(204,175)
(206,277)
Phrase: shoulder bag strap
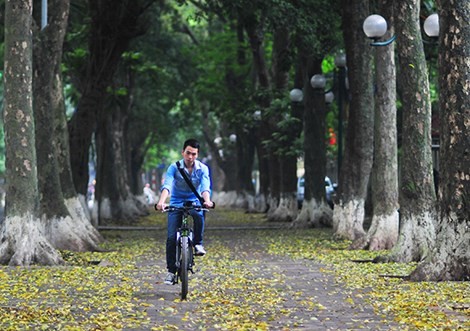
(190,184)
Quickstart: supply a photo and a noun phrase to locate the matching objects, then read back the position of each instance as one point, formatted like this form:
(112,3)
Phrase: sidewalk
(236,286)
(275,293)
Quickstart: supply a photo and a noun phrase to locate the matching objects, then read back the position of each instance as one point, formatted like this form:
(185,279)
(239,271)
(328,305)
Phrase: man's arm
(206,188)
(207,199)
(163,196)
(166,187)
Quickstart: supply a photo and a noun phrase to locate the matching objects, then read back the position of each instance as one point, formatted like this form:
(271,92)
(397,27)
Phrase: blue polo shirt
(179,189)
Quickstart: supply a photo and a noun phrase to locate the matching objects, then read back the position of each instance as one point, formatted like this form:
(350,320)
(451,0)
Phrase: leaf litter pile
(232,289)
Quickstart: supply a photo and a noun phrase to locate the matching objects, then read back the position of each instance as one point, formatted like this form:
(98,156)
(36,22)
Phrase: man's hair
(191,142)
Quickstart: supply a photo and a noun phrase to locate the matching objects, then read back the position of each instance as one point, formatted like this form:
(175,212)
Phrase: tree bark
(113,26)
(450,260)
(245,148)
(63,231)
(348,215)
(417,195)
(315,211)
(269,193)
(383,232)
(113,193)
(286,210)
(22,236)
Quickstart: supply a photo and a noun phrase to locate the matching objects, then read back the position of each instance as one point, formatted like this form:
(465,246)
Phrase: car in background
(330,191)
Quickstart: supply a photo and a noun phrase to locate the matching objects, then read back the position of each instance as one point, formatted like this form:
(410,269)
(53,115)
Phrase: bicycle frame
(185,231)
(184,245)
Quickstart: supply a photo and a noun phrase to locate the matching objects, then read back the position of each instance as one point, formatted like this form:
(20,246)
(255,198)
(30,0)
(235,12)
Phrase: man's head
(190,151)
(191,142)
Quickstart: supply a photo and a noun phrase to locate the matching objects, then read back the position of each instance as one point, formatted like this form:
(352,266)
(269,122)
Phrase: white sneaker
(170,279)
(200,251)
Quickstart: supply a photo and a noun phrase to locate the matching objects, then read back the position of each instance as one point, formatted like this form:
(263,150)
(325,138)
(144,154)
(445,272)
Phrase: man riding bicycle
(180,192)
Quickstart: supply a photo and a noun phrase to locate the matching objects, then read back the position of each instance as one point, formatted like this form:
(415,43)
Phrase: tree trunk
(269,194)
(62,149)
(236,172)
(417,195)
(76,204)
(113,26)
(113,194)
(137,156)
(63,231)
(286,210)
(245,159)
(348,215)
(245,149)
(383,232)
(315,210)
(22,234)
(450,260)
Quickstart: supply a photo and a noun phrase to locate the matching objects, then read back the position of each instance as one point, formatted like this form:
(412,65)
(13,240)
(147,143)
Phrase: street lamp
(233,138)
(375,27)
(318,81)
(329,97)
(296,95)
(431,25)
(218,141)
(340,60)
(257,115)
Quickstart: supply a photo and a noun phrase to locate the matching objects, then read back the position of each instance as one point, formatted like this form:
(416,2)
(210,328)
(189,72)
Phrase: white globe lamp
(374,26)
(431,25)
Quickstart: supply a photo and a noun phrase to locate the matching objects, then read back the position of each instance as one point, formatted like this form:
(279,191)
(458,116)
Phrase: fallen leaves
(421,305)
(239,285)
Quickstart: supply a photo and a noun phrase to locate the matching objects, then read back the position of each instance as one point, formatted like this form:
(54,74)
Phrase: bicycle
(184,245)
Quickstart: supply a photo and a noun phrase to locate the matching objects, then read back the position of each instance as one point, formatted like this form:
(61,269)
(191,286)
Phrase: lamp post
(375,27)
(296,95)
(329,97)
(257,115)
(431,25)
(43,14)
(318,81)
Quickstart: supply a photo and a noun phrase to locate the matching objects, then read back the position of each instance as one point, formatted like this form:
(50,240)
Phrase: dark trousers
(174,223)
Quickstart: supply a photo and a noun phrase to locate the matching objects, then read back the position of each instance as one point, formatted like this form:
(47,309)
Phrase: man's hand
(208,204)
(161,205)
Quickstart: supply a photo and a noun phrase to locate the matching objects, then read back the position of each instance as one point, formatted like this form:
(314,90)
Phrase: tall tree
(349,212)
(315,42)
(22,234)
(288,127)
(115,199)
(450,260)
(314,208)
(113,26)
(417,195)
(383,232)
(268,162)
(68,226)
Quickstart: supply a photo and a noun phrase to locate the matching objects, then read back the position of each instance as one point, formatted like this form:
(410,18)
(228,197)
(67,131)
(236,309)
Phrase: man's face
(190,155)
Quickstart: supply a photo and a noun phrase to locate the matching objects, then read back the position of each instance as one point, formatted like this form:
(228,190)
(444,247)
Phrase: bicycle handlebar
(196,208)
(183,208)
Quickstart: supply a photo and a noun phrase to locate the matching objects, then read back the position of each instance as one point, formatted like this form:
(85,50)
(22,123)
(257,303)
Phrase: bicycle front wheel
(184,266)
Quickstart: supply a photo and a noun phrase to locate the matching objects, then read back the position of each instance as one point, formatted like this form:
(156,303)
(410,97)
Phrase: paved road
(237,286)
(278,292)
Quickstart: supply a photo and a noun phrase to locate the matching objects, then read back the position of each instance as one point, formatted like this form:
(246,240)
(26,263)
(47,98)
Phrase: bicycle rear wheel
(184,266)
